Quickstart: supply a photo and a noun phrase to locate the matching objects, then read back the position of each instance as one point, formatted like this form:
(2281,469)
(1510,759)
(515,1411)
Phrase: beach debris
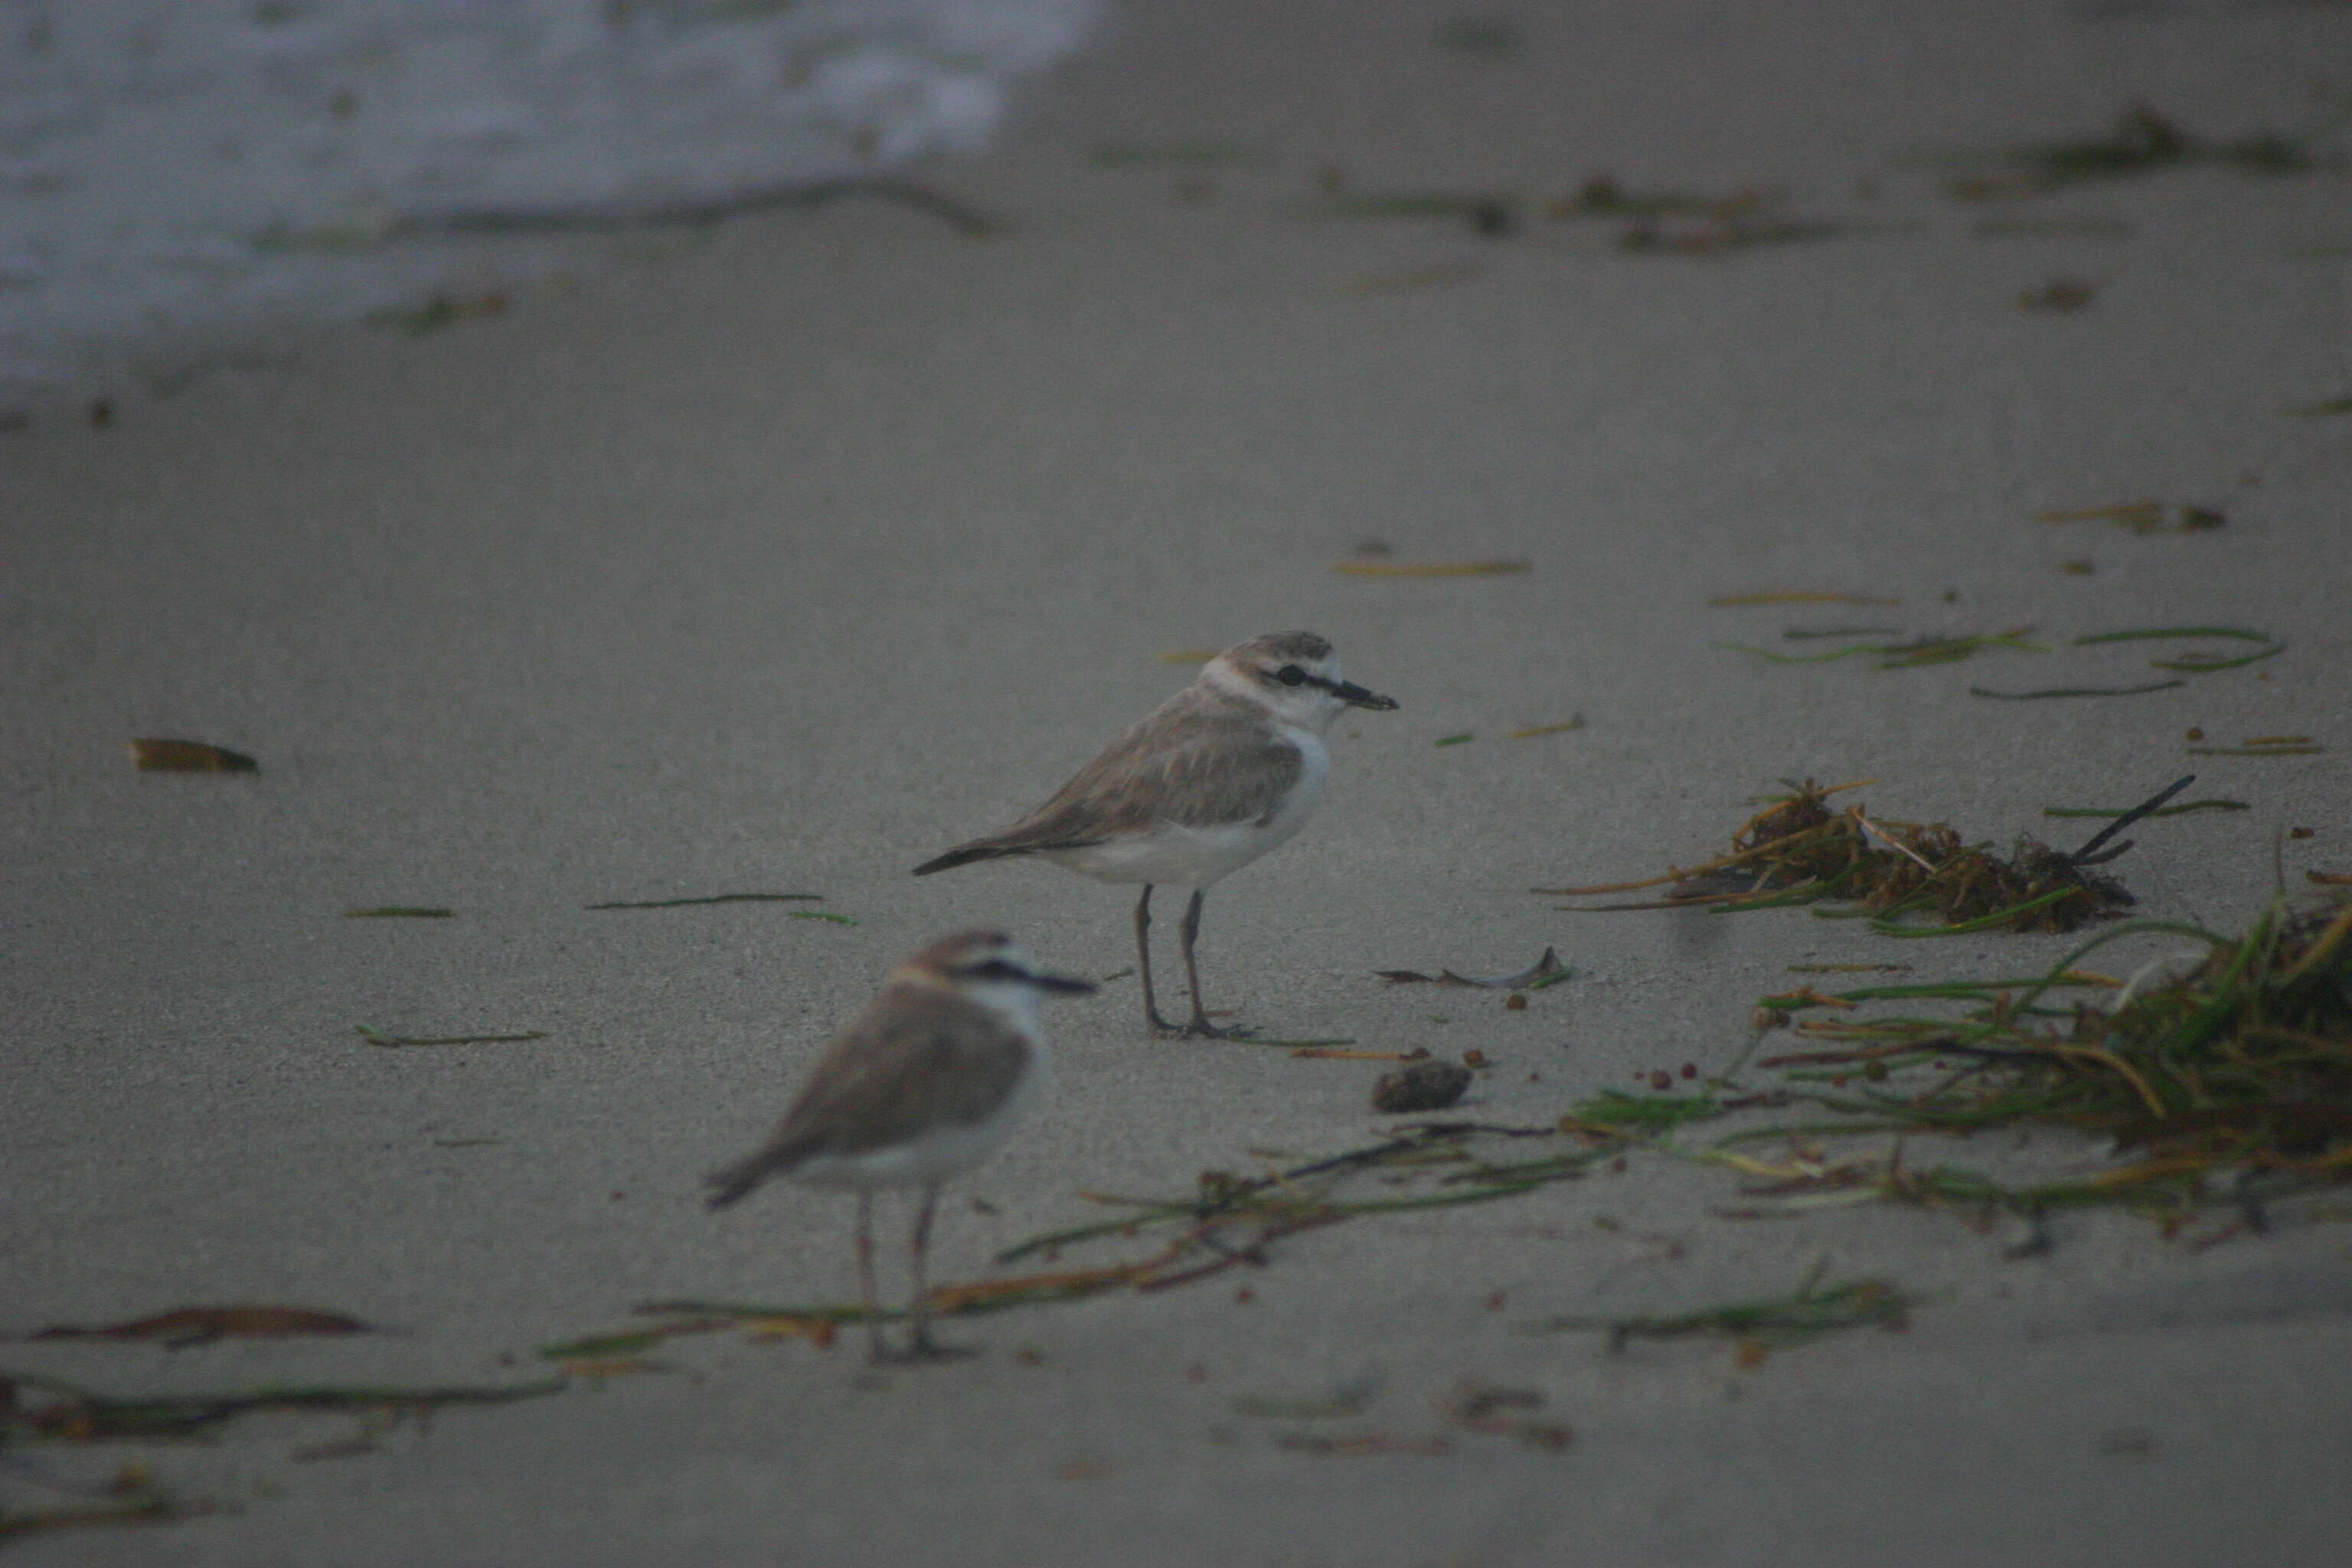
(1463,738)
(63,1413)
(399,912)
(1489,1409)
(186,1326)
(1491,215)
(2042,693)
(2182,809)
(1424,1086)
(1231,1222)
(1911,655)
(1756,1328)
(1547,970)
(2143,517)
(597,1368)
(131,1496)
(1600,196)
(2322,409)
(1727,233)
(2142,140)
(1360,566)
(1799,852)
(712,899)
(694,212)
(2237,1058)
(1689,224)
(164,756)
(375,1036)
(2195,661)
(1531,731)
(2060,296)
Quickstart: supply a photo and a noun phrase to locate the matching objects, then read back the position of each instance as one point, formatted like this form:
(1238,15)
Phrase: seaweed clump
(2241,1062)
(1799,849)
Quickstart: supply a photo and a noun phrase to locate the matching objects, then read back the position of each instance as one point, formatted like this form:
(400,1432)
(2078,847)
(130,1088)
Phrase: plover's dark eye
(1291,675)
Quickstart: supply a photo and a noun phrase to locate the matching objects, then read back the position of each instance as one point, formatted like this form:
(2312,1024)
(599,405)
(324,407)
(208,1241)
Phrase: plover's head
(1293,675)
(991,968)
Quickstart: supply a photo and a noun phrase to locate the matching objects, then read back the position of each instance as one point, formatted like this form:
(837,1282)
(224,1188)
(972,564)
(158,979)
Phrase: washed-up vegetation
(2141,142)
(167,756)
(2046,692)
(2239,1066)
(1799,850)
(1690,223)
(375,1036)
(184,1326)
(2221,1080)
(1231,1221)
(2197,661)
(42,1409)
(2143,517)
(1547,970)
(711,898)
(1813,1311)
(1908,655)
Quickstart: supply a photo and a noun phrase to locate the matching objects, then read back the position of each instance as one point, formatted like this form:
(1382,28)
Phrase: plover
(920,1087)
(1211,779)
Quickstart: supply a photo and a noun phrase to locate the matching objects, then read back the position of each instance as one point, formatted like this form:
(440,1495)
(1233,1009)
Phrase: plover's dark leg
(1199,1025)
(874,1349)
(921,1346)
(1158,1024)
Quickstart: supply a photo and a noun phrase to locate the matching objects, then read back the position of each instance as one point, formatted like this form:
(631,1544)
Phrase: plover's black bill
(1355,696)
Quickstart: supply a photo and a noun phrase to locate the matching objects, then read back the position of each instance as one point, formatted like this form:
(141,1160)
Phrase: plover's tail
(728,1185)
(978,849)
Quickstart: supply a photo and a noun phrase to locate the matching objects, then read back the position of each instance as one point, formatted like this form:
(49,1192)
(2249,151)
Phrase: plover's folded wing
(1201,760)
(917,1060)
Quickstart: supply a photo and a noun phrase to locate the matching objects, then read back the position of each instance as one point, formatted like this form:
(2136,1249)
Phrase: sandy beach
(823,540)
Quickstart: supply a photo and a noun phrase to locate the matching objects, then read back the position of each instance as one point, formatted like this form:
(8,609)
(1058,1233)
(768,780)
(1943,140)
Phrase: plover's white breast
(945,1151)
(1180,854)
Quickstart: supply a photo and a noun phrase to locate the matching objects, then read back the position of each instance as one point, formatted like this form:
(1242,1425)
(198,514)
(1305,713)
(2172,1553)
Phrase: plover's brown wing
(917,1060)
(1201,760)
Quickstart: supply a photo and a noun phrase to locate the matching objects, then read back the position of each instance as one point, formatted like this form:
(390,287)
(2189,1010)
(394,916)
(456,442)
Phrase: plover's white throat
(921,1086)
(1215,777)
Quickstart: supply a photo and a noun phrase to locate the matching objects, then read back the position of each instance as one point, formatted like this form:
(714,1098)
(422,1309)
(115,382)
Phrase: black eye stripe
(995,969)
